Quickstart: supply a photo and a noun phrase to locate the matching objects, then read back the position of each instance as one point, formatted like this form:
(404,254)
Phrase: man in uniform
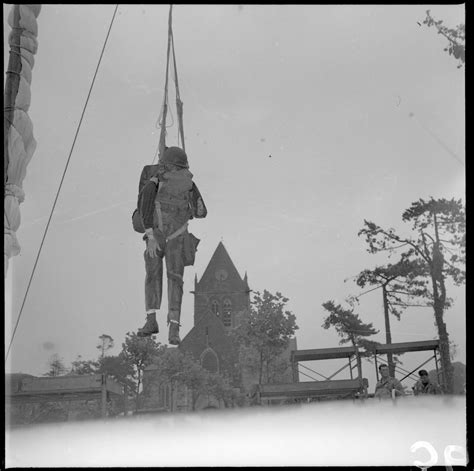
(424,385)
(168,200)
(387,384)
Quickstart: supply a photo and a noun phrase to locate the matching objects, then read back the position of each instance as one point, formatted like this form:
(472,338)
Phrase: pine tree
(348,325)
(438,243)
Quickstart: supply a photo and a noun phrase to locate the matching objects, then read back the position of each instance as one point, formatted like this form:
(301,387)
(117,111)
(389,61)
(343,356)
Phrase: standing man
(168,200)
(425,386)
(387,384)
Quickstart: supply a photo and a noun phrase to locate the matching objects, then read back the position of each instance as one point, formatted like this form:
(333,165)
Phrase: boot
(173,336)
(150,327)
(173,322)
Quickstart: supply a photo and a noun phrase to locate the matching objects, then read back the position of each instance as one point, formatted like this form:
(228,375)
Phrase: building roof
(221,260)
(323,353)
(195,340)
(13,381)
(404,347)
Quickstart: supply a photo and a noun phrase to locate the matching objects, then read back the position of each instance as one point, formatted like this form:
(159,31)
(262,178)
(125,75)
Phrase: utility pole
(388,334)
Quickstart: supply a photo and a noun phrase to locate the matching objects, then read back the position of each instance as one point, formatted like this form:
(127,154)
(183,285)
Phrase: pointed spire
(220,262)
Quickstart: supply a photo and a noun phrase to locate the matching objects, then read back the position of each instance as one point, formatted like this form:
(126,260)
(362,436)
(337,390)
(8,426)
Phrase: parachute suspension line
(179,103)
(164,112)
(61,183)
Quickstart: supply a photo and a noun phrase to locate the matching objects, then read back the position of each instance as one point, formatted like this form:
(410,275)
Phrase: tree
(438,243)
(459,377)
(56,366)
(180,368)
(106,343)
(265,331)
(118,367)
(221,388)
(456,37)
(349,326)
(194,377)
(83,367)
(138,352)
(400,284)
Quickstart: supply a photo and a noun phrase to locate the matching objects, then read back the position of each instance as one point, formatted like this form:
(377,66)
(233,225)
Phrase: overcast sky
(297,123)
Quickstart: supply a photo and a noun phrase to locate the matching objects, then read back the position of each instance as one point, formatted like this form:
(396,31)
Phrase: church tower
(221,290)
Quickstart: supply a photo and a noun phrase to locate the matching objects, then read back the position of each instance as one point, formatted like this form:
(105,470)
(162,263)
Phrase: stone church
(221,296)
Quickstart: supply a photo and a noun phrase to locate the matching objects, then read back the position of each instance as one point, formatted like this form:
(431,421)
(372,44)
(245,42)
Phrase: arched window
(227,313)
(164,395)
(209,360)
(215,307)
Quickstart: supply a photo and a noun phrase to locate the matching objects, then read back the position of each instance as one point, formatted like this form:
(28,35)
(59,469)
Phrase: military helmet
(176,156)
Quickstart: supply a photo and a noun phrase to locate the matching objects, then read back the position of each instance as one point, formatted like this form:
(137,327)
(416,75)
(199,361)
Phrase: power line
(61,183)
(437,139)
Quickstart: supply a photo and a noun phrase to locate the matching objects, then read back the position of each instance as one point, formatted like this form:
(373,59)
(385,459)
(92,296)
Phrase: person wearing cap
(387,385)
(169,200)
(424,385)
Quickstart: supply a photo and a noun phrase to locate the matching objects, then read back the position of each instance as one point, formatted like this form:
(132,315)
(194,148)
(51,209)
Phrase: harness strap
(178,232)
(159,215)
(183,203)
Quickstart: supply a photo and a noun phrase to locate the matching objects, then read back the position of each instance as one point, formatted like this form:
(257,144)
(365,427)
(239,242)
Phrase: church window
(215,307)
(209,360)
(227,313)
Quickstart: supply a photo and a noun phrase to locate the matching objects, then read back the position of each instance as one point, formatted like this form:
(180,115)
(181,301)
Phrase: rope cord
(19,46)
(61,183)
(18,54)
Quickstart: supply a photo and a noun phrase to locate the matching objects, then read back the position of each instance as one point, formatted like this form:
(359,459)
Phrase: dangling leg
(153,293)
(175,272)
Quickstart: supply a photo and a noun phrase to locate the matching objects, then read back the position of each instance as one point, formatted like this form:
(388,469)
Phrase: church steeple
(246,280)
(220,268)
(221,290)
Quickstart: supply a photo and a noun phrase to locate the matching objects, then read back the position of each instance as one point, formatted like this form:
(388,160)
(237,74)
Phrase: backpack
(195,198)
(198,211)
(147,172)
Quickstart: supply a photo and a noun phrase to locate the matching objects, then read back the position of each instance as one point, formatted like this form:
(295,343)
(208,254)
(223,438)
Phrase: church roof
(208,332)
(221,261)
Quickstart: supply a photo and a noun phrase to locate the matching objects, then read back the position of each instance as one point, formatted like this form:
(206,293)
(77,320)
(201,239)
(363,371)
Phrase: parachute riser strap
(162,143)
(179,103)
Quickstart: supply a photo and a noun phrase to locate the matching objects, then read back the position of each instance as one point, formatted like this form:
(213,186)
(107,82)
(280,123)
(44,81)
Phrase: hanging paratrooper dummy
(168,199)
